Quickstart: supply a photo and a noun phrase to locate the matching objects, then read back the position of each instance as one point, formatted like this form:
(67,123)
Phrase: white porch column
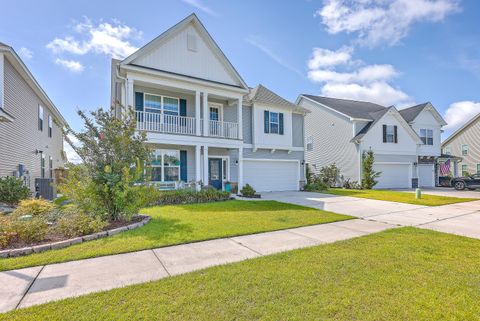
(205,165)
(239,117)
(130,94)
(198,130)
(206,115)
(198,173)
(240,169)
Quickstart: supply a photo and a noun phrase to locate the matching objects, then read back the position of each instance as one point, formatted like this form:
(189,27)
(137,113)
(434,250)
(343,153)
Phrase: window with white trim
(161,104)
(309,142)
(42,166)
(390,134)
(225,169)
(50,126)
(40,117)
(165,165)
(465,170)
(50,166)
(464,150)
(426,135)
(274,123)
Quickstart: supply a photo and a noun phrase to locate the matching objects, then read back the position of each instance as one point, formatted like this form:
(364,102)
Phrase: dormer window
(426,135)
(273,122)
(390,134)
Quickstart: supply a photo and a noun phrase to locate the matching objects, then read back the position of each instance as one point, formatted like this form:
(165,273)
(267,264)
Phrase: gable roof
(261,94)
(411,113)
(350,108)
(461,129)
(376,117)
(203,31)
(22,69)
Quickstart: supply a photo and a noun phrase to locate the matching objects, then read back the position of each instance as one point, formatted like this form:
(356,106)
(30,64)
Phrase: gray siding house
(205,125)
(465,143)
(31,141)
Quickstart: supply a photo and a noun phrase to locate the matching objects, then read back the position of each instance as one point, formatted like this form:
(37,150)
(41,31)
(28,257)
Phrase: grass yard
(401,197)
(399,274)
(186,223)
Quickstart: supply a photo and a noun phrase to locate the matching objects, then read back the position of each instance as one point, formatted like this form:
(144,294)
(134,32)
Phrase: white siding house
(205,125)
(405,142)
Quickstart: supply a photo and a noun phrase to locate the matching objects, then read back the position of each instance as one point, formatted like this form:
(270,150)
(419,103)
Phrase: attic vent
(191,42)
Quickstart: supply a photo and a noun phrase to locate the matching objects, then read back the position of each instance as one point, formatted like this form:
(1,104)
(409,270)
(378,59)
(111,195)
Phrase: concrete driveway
(461,219)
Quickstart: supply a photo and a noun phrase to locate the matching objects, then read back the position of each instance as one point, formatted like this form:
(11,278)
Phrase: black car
(471,182)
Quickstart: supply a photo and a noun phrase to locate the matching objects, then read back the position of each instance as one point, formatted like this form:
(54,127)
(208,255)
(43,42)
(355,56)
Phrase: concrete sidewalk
(36,285)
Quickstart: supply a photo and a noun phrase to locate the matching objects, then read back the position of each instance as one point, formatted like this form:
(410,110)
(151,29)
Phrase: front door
(215,172)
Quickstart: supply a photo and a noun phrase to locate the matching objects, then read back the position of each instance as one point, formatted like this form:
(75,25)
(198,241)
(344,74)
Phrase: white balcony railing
(172,124)
(223,129)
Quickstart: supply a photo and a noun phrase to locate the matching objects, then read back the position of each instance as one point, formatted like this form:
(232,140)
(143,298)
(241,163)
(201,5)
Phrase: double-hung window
(274,123)
(465,170)
(166,165)
(153,104)
(426,135)
(309,142)
(464,150)
(390,134)
(40,117)
(50,126)
(161,104)
(50,166)
(42,166)
(170,106)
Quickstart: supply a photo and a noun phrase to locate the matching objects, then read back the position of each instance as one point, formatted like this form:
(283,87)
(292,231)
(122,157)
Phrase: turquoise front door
(215,172)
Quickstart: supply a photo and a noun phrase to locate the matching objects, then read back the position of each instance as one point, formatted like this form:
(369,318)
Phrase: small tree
(113,155)
(330,175)
(369,176)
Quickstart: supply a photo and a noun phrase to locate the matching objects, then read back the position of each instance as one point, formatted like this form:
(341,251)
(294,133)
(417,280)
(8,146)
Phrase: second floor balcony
(183,125)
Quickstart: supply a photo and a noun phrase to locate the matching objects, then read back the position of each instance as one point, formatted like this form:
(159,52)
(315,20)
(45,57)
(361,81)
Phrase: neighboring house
(203,122)
(405,142)
(465,143)
(30,137)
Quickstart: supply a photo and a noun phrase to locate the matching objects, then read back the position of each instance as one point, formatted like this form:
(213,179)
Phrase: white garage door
(270,176)
(393,175)
(426,175)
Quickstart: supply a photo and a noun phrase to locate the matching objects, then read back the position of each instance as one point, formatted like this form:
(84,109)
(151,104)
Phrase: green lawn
(186,223)
(399,274)
(401,197)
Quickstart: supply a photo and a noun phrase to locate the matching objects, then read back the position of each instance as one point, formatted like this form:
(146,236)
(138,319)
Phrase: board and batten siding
(21,138)
(468,136)
(331,134)
(247,121)
(297,130)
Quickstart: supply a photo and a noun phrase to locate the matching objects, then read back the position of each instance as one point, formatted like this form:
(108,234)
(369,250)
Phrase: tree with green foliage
(369,176)
(113,154)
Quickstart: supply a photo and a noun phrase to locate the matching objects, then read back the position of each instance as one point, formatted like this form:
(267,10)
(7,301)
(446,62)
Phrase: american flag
(445,168)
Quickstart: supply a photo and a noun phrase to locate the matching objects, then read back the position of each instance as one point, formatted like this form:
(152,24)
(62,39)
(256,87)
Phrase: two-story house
(202,121)
(31,140)
(465,143)
(405,142)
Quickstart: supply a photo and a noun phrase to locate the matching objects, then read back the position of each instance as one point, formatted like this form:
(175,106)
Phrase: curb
(76,240)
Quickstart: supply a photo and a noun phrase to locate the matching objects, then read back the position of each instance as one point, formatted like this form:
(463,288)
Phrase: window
(50,126)
(465,170)
(274,123)
(426,135)
(40,118)
(153,104)
(166,165)
(214,113)
(390,134)
(50,167)
(464,150)
(170,106)
(224,169)
(42,166)
(158,104)
(478,169)
(309,143)
(447,151)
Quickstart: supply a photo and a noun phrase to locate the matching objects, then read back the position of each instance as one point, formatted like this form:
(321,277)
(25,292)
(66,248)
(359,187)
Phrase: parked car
(471,182)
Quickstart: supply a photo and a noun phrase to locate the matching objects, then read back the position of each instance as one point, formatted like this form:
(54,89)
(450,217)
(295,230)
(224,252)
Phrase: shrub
(315,186)
(348,184)
(330,175)
(34,207)
(369,176)
(12,190)
(74,222)
(185,196)
(248,191)
(30,219)
(7,232)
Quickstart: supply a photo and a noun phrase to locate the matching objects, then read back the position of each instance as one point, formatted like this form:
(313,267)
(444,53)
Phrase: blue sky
(397,52)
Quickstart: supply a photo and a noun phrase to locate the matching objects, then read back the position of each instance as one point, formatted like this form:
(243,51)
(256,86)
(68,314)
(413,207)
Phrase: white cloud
(199,5)
(259,43)
(111,39)
(379,21)
(355,80)
(460,112)
(72,156)
(71,65)
(25,53)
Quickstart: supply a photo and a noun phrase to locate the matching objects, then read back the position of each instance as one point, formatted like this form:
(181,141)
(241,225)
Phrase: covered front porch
(176,166)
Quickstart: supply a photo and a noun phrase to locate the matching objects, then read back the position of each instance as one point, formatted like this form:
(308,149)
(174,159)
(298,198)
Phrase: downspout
(117,72)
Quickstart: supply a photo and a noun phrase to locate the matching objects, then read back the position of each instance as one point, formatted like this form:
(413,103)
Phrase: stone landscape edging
(65,243)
